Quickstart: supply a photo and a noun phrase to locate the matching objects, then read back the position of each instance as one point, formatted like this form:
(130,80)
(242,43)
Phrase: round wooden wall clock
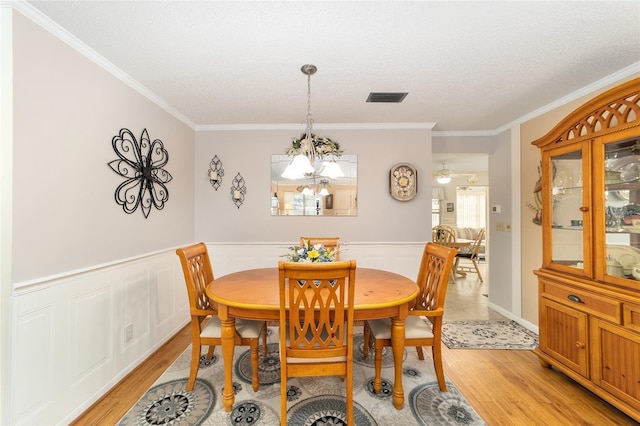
(403,182)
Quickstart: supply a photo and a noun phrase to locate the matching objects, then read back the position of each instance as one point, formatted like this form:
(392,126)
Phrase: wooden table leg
(377,365)
(228,334)
(397,345)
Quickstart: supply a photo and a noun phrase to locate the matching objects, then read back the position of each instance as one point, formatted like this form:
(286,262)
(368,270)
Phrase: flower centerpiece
(310,254)
(317,147)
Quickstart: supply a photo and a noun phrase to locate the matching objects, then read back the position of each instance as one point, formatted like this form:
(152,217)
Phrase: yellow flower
(313,254)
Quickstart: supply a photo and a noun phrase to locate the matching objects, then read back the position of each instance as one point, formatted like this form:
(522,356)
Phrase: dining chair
(433,277)
(316,324)
(205,324)
(472,255)
(332,243)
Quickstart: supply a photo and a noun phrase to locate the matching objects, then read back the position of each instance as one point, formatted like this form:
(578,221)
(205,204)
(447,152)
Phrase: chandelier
(443,176)
(315,189)
(310,149)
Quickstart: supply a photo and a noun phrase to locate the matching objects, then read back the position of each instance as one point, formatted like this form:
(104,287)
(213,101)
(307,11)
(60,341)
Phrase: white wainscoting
(68,333)
(69,344)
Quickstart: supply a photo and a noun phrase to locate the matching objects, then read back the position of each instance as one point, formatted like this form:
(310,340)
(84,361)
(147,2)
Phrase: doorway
(472,209)
(467,195)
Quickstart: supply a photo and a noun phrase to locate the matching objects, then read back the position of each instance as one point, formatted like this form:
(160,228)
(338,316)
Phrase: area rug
(313,401)
(488,335)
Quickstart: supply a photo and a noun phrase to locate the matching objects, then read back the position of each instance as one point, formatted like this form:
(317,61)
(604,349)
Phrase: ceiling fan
(444,176)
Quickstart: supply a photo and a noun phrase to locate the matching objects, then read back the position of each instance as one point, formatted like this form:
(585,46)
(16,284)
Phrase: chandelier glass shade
(299,168)
(331,169)
(311,149)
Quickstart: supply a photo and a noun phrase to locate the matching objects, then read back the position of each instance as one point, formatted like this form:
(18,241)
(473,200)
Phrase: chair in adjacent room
(205,324)
(472,256)
(433,277)
(316,324)
(443,235)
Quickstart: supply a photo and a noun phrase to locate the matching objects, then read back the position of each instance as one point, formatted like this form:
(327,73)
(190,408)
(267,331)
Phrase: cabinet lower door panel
(563,335)
(616,362)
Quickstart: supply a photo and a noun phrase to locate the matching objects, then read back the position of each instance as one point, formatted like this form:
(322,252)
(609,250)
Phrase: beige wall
(66,111)
(380,218)
(529,163)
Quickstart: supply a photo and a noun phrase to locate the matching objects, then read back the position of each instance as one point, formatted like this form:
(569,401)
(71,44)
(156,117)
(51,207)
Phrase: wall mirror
(314,195)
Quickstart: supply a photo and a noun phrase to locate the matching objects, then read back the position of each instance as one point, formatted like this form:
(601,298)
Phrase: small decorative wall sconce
(238,190)
(215,172)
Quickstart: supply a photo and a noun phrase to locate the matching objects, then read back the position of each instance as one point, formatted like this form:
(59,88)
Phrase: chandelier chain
(307,144)
(309,148)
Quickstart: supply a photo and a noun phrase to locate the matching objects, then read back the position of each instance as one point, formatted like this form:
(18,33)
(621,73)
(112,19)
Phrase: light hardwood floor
(506,387)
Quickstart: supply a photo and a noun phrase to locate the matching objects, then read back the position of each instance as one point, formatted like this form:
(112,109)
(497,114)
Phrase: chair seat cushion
(465,255)
(292,360)
(415,327)
(245,328)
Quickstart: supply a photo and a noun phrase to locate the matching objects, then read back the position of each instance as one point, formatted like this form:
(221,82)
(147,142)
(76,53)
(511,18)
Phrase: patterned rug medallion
(488,335)
(313,401)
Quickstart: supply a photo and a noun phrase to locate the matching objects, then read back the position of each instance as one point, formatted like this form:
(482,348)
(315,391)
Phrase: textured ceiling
(468,66)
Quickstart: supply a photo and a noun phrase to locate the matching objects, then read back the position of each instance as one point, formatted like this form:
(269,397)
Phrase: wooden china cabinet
(588,292)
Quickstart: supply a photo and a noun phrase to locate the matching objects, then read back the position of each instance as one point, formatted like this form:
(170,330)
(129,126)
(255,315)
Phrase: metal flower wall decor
(141,163)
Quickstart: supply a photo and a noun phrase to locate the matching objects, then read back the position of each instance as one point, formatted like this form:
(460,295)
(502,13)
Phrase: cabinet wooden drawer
(631,316)
(584,301)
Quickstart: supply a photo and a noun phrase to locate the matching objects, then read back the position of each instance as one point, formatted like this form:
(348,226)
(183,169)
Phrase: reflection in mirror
(314,195)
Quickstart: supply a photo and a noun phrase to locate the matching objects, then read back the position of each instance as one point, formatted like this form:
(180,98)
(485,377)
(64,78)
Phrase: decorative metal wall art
(238,190)
(215,172)
(142,164)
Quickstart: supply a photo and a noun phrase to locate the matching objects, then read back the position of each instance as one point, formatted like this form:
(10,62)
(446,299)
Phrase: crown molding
(587,90)
(463,133)
(584,91)
(325,126)
(66,37)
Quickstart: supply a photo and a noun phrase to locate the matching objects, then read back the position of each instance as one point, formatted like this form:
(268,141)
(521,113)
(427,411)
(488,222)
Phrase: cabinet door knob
(579,345)
(574,298)
(584,209)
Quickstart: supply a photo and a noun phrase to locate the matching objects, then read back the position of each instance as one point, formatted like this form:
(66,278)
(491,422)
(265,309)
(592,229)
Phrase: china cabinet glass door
(622,209)
(567,216)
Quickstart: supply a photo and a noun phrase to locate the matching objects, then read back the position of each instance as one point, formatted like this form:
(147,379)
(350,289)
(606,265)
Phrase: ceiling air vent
(394,97)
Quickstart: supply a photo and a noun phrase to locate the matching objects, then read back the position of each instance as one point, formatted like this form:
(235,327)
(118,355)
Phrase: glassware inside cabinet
(567,239)
(622,208)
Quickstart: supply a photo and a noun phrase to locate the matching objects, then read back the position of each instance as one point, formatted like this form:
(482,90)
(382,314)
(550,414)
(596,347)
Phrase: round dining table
(254,294)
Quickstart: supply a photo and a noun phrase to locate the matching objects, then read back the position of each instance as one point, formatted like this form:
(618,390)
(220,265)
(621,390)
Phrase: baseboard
(526,324)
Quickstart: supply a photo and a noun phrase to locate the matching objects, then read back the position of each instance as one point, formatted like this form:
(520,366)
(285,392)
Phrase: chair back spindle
(443,235)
